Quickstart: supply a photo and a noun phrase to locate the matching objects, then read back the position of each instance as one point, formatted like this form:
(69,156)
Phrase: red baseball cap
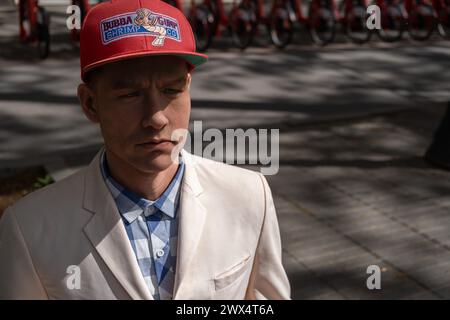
(124,29)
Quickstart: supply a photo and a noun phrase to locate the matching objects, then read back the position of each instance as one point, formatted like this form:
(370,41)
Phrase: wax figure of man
(146,219)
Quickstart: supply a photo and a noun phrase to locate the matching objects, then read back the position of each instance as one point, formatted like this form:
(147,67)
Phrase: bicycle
(283,15)
(201,20)
(244,20)
(84,8)
(34,22)
(353,16)
(442,9)
(392,20)
(320,22)
(209,19)
(421,19)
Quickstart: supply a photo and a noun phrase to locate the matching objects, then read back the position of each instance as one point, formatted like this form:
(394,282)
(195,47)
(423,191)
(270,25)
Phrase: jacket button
(159,253)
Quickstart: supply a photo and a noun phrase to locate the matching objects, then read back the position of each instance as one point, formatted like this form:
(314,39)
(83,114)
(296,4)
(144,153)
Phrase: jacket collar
(132,205)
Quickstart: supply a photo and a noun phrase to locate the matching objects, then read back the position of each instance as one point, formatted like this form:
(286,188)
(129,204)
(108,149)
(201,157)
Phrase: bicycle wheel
(242,24)
(322,25)
(43,34)
(392,24)
(421,22)
(84,8)
(201,22)
(355,25)
(26,29)
(444,21)
(213,7)
(281,26)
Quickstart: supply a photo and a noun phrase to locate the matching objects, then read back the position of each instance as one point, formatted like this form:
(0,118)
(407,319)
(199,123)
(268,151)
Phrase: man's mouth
(157,144)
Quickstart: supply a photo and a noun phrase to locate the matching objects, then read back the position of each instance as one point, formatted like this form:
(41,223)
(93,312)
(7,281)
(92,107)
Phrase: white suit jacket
(228,245)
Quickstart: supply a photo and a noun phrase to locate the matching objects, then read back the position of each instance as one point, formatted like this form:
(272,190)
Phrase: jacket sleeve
(18,277)
(268,279)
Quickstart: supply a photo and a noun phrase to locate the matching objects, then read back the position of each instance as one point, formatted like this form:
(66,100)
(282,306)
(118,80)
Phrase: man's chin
(154,162)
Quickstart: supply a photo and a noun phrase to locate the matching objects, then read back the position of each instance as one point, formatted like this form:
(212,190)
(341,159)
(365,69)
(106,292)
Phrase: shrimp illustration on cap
(149,22)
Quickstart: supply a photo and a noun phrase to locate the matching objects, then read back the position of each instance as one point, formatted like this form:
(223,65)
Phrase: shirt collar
(131,205)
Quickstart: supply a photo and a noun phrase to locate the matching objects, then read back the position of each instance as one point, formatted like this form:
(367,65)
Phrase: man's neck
(149,185)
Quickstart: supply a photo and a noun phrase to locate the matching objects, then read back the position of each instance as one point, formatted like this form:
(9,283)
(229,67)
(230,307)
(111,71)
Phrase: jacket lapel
(192,215)
(107,234)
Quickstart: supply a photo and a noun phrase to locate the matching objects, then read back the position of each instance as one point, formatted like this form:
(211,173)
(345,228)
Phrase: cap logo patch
(143,22)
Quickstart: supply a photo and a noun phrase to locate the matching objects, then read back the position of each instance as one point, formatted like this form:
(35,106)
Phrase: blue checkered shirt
(152,227)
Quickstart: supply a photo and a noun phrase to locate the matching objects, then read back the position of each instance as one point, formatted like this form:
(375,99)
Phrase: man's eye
(171,91)
(130,94)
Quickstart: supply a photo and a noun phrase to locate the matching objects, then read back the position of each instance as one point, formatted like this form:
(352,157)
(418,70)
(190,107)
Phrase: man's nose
(154,113)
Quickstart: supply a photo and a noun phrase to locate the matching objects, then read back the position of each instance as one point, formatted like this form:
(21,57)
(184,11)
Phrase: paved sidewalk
(357,193)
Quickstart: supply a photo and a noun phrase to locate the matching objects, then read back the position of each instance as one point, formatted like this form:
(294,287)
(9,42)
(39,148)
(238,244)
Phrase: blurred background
(355,121)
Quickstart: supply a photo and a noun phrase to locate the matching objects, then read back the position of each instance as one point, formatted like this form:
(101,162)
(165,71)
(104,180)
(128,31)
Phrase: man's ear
(86,98)
(189,80)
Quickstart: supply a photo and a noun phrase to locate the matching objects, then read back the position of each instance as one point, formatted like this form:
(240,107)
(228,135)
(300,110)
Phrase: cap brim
(194,58)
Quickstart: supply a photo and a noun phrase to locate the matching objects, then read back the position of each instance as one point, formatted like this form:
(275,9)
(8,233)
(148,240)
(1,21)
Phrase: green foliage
(42,182)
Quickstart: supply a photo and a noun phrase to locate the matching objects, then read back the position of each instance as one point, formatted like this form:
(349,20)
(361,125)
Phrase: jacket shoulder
(46,199)
(231,185)
(225,173)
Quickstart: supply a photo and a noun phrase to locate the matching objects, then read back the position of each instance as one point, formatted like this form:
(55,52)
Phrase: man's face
(139,103)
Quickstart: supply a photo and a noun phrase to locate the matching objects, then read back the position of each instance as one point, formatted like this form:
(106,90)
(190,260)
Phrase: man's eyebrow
(179,80)
(123,83)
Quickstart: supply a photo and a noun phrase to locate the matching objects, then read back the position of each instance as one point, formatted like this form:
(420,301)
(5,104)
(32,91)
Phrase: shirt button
(159,253)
